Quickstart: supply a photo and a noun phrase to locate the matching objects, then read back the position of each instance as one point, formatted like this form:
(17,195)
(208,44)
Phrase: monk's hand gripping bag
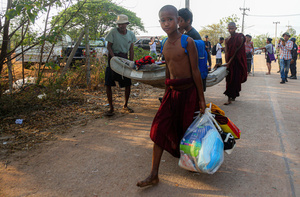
(202,148)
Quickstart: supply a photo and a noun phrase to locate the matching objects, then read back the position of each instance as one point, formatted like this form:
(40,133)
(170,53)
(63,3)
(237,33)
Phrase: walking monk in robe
(183,96)
(235,56)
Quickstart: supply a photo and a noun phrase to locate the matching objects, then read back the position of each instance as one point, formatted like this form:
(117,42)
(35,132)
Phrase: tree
(25,12)
(260,40)
(101,16)
(215,31)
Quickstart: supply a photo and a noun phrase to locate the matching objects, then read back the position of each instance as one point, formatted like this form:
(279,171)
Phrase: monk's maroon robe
(238,67)
(175,114)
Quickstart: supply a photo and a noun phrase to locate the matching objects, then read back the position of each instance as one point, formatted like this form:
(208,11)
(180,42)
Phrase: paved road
(112,154)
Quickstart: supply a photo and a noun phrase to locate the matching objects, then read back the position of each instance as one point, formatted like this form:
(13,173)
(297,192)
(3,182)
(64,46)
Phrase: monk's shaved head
(169,8)
(231,28)
(232,24)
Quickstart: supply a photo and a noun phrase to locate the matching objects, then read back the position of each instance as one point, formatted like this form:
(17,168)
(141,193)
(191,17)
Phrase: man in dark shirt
(294,60)
(208,49)
(185,22)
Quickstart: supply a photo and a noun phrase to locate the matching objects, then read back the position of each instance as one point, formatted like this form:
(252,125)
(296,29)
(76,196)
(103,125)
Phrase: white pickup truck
(33,55)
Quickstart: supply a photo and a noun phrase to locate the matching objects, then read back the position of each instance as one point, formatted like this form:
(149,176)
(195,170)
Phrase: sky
(259,20)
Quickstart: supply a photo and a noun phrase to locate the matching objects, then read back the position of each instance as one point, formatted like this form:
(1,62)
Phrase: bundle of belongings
(144,61)
(202,146)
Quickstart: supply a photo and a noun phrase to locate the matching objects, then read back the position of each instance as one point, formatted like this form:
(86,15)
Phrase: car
(257,51)
(100,46)
(144,44)
(98,49)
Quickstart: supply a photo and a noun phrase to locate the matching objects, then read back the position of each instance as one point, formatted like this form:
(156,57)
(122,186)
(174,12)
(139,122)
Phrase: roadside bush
(140,53)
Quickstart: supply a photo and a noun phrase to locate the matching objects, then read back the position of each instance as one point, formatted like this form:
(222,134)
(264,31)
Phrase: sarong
(175,114)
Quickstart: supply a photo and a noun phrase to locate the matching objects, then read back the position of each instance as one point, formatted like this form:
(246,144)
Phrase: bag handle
(208,112)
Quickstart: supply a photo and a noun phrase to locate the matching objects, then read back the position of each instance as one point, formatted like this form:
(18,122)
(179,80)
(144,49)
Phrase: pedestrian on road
(219,50)
(152,45)
(249,52)
(183,96)
(279,53)
(269,51)
(208,49)
(294,60)
(185,22)
(286,46)
(235,56)
(120,42)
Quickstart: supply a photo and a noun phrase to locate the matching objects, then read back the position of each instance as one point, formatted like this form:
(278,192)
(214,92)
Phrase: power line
(273,15)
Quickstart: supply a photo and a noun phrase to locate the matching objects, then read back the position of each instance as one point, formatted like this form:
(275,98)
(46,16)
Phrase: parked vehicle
(33,55)
(144,44)
(257,51)
(98,49)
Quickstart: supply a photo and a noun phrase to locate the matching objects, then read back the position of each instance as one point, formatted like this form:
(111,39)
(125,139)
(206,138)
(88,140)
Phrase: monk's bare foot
(148,181)
(229,101)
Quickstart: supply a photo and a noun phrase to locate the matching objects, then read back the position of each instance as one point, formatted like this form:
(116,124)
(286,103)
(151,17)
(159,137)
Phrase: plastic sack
(202,148)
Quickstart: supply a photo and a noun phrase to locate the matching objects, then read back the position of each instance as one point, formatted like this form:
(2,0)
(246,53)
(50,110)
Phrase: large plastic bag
(202,148)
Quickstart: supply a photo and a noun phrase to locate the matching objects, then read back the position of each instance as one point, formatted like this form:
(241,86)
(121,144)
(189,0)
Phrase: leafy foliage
(215,31)
(99,14)
(260,40)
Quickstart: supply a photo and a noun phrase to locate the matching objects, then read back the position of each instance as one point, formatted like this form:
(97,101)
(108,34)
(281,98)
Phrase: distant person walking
(185,22)
(120,42)
(269,54)
(279,53)
(219,50)
(208,49)
(249,52)
(294,60)
(286,46)
(152,45)
(235,56)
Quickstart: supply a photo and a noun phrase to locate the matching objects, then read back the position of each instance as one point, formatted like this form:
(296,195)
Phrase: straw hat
(122,19)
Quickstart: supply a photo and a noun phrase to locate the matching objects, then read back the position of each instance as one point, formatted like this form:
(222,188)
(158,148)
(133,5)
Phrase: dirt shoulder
(107,156)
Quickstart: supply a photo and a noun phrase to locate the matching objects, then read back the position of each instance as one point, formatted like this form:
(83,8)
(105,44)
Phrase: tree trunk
(42,49)
(22,49)
(9,68)
(70,58)
(5,38)
(87,58)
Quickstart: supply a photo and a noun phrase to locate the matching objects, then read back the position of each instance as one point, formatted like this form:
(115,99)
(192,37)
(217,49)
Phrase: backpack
(202,54)
(214,50)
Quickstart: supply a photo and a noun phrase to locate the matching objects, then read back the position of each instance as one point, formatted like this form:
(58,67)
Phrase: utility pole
(187,4)
(244,13)
(288,26)
(276,33)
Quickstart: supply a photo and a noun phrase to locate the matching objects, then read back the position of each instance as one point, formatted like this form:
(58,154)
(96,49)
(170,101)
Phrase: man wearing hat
(120,42)
(294,60)
(286,47)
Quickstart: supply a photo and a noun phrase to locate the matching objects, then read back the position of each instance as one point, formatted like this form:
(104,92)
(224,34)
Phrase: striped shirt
(248,46)
(286,50)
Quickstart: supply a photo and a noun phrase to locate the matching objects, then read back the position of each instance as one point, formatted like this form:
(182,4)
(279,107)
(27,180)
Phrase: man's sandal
(109,113)
(127,110)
